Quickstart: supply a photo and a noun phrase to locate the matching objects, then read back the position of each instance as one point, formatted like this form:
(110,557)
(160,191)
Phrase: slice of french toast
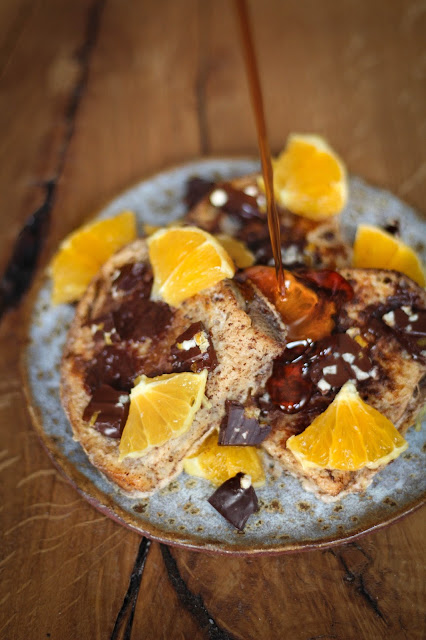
(396,386)
(118,333)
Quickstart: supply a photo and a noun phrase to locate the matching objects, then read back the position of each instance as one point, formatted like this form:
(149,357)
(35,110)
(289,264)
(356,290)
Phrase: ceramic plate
(289,518)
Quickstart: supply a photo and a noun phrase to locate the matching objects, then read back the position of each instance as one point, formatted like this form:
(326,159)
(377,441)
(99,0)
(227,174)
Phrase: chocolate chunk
(196,189)
(139,318)
(194,350)
(235,500)
(134,276)
(240,427)
(107,411)
(240,204)
(113,366)
(337,359)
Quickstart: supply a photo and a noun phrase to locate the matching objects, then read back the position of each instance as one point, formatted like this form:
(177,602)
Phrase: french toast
(395,386)
(246,332)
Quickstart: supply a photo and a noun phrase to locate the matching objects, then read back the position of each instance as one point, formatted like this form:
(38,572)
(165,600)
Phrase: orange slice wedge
(219,463)
(310,178)
(185,261)
(349,435)
(375,248)
(161,408)
(83,252)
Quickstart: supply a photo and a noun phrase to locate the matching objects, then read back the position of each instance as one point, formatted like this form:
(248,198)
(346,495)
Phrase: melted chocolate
(411,334)
(109,408)
(139,318)
(113,366)
(326,365)
(235,502)
(191,356)
(134,276)
(239,428)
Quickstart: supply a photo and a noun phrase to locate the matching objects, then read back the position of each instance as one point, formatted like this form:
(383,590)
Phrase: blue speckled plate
(289,518)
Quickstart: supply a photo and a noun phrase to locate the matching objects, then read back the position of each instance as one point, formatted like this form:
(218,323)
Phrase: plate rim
(111,509)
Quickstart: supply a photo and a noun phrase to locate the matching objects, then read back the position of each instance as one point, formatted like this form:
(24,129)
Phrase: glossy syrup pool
(289,517)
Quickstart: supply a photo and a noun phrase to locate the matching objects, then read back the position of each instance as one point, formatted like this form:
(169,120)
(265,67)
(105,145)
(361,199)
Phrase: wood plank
(165,83)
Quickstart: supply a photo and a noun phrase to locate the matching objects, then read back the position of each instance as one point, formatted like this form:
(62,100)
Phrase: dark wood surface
(95,94)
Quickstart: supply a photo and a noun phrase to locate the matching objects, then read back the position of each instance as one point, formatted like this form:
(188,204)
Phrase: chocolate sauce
(107,411)
(240,426)
(194,350)
(114,366)
(235,500)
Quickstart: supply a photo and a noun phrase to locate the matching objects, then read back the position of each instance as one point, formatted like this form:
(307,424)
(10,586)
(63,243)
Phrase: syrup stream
(265,153)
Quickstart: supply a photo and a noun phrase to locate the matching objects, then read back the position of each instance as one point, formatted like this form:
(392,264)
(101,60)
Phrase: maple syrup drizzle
(265,153)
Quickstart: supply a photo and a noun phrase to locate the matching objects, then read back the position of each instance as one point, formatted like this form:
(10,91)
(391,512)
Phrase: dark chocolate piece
(339,358)
(194,350)
(113,366)
(108,409)
(132,277)
(235,500)
(196,189)
(240,204)
(139,318)
(239,428)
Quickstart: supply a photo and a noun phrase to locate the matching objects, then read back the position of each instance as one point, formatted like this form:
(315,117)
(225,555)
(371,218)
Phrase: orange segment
(219,463)
(309,178)
(375,248)
(185,261)
(238,251)
(161,408)
(83,252)
(349,435)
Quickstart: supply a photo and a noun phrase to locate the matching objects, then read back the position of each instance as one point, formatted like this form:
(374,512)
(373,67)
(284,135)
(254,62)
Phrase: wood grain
(95,94)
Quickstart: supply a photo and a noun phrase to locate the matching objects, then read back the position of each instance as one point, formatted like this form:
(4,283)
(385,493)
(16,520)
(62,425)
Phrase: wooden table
(94,95)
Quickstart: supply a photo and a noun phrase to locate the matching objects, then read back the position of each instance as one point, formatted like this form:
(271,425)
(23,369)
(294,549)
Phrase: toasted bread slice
(247,335)
(243,216)
(397,391)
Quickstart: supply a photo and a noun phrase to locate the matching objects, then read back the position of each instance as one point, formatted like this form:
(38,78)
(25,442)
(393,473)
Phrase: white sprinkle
(348,357)
(291,254)
(352,332)
(389,318)
(414,317)
(186,345)
(323,385)
(244,435)
(245,482)
(360,375)
(331,370)
(218,197)
(407,310)
(123,399)
(251,190)
(409,327)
